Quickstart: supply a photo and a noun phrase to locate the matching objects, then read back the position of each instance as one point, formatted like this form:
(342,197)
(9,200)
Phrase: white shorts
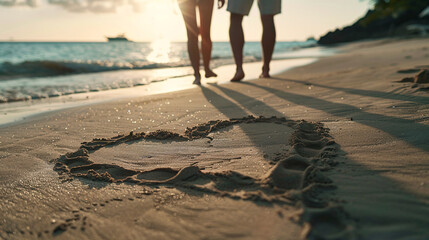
(266,7)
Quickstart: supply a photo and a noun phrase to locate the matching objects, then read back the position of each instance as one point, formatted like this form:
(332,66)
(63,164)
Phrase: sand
(345,157)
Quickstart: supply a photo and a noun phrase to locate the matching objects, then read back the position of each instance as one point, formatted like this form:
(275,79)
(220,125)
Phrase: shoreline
(16,112)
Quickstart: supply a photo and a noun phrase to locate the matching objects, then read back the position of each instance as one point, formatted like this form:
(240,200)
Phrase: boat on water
(119,38)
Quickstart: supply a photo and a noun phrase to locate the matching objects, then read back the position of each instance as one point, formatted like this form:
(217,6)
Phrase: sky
(150,20)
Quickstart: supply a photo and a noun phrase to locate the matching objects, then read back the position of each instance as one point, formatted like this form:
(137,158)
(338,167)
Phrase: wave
(43,68)
(37,79)
(48,68)
(29,68)
(29,81)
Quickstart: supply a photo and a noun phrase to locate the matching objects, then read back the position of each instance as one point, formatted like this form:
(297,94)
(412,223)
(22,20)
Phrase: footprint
(327,223)
(288,173)
(311,195)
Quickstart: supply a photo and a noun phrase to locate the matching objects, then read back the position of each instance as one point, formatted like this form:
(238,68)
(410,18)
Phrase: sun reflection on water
(160,51)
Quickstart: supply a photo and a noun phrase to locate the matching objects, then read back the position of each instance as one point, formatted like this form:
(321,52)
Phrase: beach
(334,149)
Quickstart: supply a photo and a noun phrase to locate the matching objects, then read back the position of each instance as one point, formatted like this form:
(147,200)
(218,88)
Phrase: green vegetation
(388,18)
(395,9)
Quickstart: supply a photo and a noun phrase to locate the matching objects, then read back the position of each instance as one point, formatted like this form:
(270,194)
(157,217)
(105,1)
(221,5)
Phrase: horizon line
(83,41)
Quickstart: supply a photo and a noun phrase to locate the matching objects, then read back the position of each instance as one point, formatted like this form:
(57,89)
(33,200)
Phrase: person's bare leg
(206,11)
(189,15)
(236,37)
(268,42)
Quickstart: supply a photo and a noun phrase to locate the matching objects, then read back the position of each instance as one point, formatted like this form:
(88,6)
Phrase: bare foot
(265,75)
(197,80)
(265,72)
(239,75)
(210,73)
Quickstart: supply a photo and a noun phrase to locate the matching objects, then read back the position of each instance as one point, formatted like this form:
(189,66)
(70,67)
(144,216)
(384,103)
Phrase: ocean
(38,70)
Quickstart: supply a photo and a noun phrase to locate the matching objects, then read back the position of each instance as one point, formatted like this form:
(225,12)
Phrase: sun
(164,18)
(164,9)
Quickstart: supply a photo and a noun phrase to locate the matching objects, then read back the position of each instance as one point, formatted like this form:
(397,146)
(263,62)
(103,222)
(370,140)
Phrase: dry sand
(355,168)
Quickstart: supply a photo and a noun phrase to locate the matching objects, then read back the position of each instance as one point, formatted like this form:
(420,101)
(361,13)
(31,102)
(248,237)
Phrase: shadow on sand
(415,134)
(367,93)
(371,206)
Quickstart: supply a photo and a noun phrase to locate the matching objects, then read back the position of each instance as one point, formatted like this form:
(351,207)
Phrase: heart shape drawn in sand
(294,175)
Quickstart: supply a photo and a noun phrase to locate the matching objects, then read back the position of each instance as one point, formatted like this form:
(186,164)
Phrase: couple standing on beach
(238,9)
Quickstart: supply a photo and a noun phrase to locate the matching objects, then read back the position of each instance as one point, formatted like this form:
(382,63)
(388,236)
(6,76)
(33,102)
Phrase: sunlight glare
(161,8)
(160,51)
(163,19)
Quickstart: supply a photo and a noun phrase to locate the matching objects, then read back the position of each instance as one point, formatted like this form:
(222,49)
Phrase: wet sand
(345,157)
